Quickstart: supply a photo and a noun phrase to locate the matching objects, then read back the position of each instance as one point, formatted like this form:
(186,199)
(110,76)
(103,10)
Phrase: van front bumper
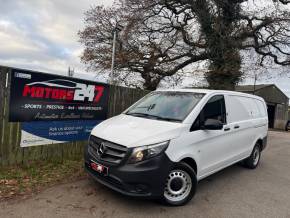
(145,179)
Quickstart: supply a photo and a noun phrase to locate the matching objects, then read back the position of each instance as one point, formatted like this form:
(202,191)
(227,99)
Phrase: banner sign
(44,133)
(45,97)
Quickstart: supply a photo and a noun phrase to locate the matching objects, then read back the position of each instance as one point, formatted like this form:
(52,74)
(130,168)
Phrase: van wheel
(180,185)
(253,161)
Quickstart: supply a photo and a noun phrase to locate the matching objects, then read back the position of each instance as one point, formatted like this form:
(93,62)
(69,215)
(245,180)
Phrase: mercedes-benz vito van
(162,145)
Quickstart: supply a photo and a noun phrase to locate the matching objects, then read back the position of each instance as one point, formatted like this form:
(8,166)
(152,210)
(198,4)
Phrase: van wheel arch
(253,160)
(191,162)
(260,143)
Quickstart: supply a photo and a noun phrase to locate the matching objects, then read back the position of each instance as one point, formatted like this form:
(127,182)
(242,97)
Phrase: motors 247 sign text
(44,97)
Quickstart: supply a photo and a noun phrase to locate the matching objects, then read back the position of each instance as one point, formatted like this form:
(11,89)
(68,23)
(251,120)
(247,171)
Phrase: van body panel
(207,148)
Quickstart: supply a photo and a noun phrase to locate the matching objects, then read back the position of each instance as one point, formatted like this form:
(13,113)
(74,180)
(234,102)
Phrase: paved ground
(233,192)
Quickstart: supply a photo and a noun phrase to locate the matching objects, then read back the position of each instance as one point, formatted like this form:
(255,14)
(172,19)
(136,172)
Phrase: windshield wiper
(154,116)
(168,119)
(148,107)
(137,114)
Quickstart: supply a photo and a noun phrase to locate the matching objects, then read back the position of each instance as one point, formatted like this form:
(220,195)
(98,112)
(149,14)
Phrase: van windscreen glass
(170,106)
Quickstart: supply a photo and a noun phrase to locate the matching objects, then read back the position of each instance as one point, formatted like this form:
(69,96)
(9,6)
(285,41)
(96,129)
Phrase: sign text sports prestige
(39,96)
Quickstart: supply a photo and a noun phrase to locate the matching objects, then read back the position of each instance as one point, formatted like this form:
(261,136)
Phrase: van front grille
(106,151)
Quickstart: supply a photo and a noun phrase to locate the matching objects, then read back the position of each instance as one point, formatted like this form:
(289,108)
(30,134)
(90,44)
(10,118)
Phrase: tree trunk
(151,83)
(224,72)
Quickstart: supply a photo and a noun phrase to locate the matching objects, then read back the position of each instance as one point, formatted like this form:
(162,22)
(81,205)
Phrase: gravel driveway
(233,192)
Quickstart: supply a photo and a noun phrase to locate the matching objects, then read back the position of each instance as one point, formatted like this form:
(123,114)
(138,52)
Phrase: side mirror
(212,124)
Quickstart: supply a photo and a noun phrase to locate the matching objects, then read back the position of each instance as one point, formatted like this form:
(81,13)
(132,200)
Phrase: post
(255,81)
(70,72)
(2,96)
(113,57)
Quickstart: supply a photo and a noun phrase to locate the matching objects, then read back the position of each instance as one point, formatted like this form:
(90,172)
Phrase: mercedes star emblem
(101,149)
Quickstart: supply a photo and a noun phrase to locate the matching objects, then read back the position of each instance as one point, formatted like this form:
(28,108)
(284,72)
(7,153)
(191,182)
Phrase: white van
(161,146)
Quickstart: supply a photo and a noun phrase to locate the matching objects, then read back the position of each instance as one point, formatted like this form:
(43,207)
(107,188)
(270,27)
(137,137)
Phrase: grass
(29,179)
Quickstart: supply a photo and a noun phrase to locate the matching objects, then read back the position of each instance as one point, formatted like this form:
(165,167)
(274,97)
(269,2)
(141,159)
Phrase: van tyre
(253,161)
(180,185)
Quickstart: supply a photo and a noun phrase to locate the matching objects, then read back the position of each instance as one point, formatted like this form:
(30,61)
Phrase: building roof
(250,88)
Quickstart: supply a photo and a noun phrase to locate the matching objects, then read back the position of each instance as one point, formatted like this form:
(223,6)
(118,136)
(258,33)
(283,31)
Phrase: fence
(10,151)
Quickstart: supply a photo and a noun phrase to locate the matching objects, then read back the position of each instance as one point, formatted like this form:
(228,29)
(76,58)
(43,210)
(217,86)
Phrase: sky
(42,35)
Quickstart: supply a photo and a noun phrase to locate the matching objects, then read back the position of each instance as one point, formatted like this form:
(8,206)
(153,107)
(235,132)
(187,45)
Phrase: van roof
(210,91)
(188,90)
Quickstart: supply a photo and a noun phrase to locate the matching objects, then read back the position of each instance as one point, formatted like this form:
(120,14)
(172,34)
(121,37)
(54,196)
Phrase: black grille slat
(93,152)
(94,146)
(115,147)
(113,153)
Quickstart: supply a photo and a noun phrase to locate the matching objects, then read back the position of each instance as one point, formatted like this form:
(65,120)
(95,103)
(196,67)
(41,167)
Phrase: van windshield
(169,106)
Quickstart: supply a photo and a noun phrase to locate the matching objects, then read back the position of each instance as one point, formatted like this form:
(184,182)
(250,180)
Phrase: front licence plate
(99,168)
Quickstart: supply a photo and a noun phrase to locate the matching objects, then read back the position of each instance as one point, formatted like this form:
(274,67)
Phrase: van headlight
(145,152)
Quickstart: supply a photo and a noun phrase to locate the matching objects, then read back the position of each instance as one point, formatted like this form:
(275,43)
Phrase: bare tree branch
(162,37)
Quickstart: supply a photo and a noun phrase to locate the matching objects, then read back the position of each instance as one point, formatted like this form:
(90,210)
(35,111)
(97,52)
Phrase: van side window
(214,109)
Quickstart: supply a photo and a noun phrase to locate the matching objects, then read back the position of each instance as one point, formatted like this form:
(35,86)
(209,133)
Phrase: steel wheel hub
(178,185)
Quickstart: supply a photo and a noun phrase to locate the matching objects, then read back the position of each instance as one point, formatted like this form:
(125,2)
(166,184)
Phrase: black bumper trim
(265,141)
(114,187)
(144,179)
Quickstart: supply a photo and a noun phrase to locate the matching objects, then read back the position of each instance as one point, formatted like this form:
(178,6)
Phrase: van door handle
(227,129)
(237,126)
